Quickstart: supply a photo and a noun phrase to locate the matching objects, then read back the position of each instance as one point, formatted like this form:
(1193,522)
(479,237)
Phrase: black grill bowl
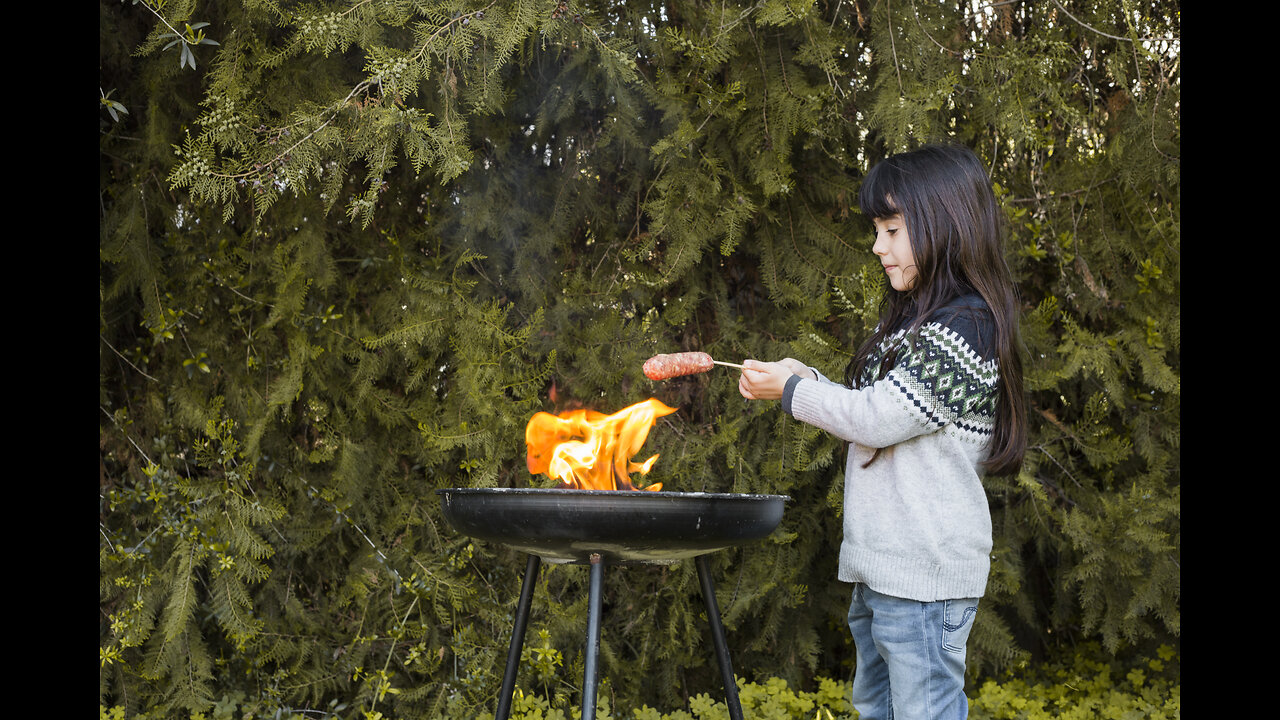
(640,526)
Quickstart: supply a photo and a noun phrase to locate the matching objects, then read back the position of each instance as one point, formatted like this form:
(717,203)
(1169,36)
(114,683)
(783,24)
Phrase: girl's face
(893,247)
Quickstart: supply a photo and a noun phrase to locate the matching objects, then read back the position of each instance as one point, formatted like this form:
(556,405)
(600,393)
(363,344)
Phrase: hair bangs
(881,185)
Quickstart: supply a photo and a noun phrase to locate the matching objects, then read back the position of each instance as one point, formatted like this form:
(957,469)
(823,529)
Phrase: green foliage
(1089,685)
(772,699)
(1092,684)
(346,251)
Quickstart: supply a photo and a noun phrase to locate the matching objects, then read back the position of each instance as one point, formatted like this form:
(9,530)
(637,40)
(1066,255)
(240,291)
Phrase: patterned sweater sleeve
(940,380)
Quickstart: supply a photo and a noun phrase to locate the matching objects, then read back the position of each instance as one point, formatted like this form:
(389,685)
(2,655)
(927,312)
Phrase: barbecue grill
(610,527)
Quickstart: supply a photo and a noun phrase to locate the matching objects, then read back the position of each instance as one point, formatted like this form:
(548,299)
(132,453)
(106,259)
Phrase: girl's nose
(880,247)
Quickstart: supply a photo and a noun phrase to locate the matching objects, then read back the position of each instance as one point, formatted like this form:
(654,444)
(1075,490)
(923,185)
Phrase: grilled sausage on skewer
(663,367)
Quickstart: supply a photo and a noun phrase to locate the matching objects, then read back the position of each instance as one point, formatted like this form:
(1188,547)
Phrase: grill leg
(717,636)
(589,679)
(517,639)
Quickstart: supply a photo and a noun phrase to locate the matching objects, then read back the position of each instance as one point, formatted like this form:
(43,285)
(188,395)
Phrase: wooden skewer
(717,362)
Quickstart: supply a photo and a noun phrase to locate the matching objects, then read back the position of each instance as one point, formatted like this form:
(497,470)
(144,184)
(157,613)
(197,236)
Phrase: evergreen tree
(347,250)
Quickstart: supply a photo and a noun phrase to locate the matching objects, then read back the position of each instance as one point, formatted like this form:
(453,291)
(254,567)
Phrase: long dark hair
(954,223)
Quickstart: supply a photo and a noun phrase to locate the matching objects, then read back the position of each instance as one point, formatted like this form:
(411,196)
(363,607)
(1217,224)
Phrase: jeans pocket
(957,621)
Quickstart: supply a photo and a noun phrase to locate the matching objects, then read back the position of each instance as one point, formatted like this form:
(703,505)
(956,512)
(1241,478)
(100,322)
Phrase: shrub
(1089,686)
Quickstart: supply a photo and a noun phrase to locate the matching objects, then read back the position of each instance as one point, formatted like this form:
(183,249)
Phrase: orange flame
(588,450)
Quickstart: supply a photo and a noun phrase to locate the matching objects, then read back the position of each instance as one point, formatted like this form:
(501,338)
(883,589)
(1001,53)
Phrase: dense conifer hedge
(347,250)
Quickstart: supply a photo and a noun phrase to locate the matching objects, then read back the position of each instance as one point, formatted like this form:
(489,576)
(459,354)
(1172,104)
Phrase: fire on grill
(588,450)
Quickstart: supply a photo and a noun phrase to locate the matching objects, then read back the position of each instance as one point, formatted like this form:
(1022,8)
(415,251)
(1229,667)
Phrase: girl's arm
(873,416)
(876,416)
(938,381)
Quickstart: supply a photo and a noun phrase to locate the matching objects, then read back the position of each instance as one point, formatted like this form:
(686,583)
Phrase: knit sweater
(916,521)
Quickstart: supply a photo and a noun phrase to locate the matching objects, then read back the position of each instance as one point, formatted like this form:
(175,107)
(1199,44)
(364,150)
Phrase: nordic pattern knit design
(943,378)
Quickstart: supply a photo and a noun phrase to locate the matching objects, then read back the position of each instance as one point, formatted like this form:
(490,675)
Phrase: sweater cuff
(787,391)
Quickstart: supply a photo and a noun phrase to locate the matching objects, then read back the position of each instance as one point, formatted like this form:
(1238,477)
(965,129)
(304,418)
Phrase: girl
(933,402)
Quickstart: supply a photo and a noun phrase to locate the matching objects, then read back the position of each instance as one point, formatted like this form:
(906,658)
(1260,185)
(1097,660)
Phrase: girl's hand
(797,368)
(766,380)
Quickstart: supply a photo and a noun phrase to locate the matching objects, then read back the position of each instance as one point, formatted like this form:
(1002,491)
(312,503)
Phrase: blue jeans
(910,656)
